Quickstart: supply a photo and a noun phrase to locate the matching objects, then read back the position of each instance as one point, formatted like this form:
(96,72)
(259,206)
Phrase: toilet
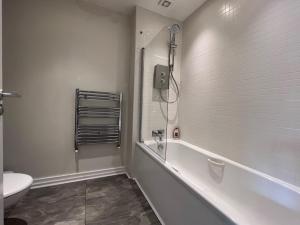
(15,186)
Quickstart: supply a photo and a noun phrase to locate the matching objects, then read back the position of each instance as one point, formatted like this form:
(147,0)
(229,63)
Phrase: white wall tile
(155,39)
(240,83)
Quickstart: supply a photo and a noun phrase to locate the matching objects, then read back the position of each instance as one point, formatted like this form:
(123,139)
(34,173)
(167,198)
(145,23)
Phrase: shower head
(175,28)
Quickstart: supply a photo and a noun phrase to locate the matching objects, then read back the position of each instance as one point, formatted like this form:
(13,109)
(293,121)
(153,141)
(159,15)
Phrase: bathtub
(196,187)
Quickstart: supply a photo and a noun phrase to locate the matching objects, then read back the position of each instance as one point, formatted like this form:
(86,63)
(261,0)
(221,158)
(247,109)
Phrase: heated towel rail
(97,118)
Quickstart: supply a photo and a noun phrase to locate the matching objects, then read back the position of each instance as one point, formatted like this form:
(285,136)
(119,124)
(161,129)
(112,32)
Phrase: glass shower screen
(155,110)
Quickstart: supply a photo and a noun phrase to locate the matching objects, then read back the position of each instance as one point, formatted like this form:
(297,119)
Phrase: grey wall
(51,48)
(1,128)
(240,83)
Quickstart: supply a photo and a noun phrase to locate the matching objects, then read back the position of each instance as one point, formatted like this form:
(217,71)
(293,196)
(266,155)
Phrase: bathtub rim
(232,162)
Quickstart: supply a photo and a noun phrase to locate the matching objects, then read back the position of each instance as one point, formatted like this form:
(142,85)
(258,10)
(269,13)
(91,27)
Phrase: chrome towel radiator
(97,118)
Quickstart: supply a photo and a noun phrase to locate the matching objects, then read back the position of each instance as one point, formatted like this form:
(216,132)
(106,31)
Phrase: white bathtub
(192,187)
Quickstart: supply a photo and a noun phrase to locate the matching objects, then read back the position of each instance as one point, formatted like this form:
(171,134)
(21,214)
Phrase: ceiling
(179,9)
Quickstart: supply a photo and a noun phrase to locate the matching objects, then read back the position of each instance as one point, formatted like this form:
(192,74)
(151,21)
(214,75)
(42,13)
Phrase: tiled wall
(157,114)
(152,34)
(147,25)
(241,83)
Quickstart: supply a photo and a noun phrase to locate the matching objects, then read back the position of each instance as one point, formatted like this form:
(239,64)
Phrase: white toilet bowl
(15,186)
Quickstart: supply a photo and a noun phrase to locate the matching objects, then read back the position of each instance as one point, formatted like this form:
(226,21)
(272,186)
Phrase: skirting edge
(74,177)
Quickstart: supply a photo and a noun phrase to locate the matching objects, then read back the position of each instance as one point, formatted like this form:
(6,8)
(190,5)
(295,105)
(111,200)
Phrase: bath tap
(158,133)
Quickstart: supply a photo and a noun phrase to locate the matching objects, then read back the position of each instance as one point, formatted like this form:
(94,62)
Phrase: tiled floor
(113,200)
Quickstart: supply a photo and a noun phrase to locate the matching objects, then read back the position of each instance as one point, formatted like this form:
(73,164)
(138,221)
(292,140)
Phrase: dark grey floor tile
(113,200)
(57,193)
(117,200)
(44,214)
(70,222)
(48,205)
(146,218)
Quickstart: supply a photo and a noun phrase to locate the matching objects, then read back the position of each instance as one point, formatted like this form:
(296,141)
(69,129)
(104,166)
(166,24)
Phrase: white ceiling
(179,9)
